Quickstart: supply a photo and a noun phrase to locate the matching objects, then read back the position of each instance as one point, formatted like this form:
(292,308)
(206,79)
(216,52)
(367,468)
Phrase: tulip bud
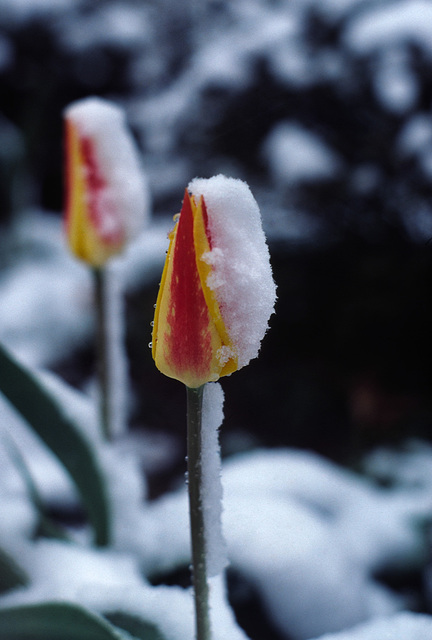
(217,291)
(105,189)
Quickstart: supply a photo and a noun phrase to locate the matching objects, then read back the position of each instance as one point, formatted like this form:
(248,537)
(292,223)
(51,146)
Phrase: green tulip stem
(102,346)
(196,512)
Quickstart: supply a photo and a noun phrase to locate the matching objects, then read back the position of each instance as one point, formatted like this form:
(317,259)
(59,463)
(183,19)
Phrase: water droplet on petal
(152,323)
(150,344)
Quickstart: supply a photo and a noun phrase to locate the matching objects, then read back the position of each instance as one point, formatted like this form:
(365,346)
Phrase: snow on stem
(208,547)
(211,490)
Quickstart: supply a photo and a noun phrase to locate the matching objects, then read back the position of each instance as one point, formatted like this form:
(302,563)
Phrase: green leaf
(45,415)
(56,621)
(136,626)
(11,575)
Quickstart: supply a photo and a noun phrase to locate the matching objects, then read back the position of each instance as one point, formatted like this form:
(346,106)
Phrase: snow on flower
(106,196)
(217,291)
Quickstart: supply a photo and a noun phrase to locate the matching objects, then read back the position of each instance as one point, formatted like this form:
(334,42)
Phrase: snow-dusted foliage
(307,535)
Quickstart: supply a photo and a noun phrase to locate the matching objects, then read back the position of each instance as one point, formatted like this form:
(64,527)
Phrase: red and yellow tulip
(190,340)
(93,233)
(105,204)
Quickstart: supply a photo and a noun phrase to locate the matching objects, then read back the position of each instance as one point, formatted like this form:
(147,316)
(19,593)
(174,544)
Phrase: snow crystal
(212,418)
(125,194)
(242,277)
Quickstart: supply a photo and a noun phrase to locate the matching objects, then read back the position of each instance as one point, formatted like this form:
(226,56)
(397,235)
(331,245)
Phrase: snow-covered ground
(306,534)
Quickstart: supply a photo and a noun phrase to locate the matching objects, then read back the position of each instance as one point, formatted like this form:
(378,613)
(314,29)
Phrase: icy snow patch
(299,529)
(242,276)
(308,535)
(403,626)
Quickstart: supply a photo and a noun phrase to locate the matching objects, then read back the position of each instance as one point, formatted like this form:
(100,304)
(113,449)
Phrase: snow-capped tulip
(217,291)
(106,196)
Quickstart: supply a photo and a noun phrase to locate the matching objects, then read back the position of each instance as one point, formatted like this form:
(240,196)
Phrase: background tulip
(105,191)
(105,207)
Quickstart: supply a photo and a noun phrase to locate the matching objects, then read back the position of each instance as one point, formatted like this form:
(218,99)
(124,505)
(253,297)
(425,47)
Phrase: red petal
(188,344)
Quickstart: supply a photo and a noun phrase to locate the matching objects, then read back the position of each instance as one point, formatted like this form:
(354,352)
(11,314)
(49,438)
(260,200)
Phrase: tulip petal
(189,337)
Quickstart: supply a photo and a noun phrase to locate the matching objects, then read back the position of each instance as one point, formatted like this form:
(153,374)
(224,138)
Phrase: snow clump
(241,277)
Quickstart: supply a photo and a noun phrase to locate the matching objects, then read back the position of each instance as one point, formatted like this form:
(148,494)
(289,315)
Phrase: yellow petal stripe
(226,355)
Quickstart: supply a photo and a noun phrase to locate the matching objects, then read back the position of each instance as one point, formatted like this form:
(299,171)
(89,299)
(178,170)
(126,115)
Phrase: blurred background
(324,108)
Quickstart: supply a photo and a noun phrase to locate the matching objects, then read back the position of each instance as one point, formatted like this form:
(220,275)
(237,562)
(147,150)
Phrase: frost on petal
(241,275)
(112,191)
